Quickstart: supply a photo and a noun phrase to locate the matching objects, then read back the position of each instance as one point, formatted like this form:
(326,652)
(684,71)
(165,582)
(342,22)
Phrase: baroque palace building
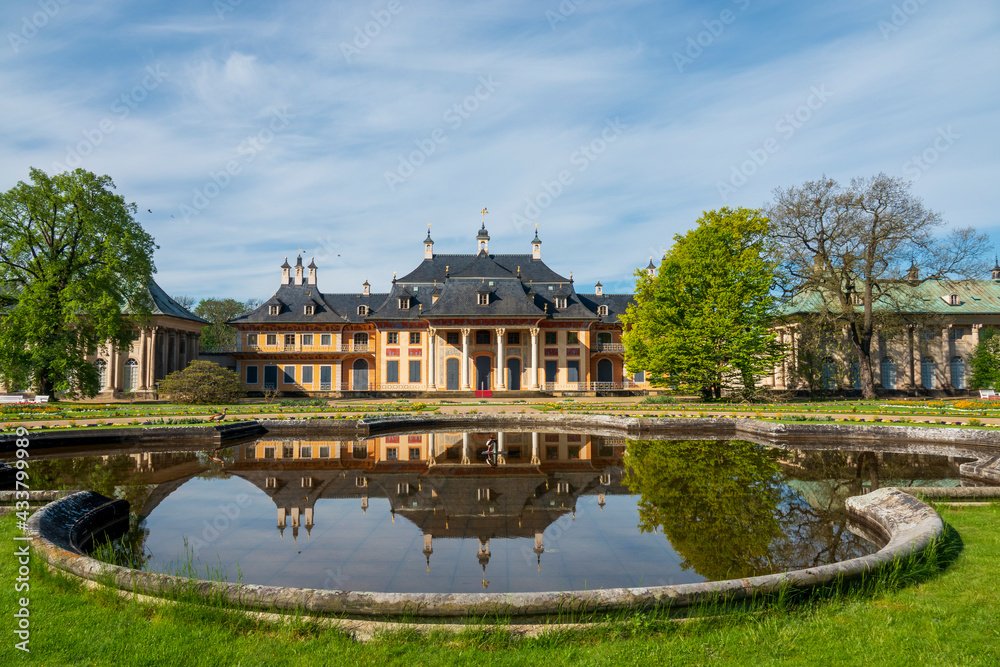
(456,323)
(939,328)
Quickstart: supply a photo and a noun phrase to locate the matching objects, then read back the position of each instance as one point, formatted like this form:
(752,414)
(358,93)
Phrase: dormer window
(404,303)
(602,311)
(310,309)
(953,299)
(560,302)
(362,310)
(484,299)
(273,310)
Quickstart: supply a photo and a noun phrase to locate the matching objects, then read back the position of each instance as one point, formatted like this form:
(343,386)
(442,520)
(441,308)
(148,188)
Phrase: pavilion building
(458,323)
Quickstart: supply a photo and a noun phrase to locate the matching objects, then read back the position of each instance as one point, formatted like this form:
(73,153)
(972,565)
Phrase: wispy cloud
(320,182)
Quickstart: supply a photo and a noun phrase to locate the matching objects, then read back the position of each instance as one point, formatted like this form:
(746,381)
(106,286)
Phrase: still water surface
(429,513)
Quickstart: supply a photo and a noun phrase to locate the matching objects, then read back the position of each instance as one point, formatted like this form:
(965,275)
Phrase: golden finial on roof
(484,214)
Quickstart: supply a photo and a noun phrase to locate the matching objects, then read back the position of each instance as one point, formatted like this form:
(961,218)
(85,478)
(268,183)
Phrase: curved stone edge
(909,525)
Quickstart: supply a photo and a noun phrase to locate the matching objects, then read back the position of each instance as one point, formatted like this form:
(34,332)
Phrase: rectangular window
(392,338)
(269,452)
(572,338)
(414,453)
(414,338)
(956,332)
(272,339)
(514,338)
(574,452)
(252,375)
(305,452)
(252,340)
(307,339)
(392,371)
(452,337)
(551,337)
(928,334)
(552,452)
(551,370)
(324,451)
(414,371)
(391,454)
(307,374)
(572,371)
(289,339)
(483,337)
(326,339)
(289,375)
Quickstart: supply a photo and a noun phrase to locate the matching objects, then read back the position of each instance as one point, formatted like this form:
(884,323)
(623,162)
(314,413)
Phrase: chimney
(285,279)
(298,270)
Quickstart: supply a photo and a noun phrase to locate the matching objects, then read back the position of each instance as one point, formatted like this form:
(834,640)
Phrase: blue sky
(251,129)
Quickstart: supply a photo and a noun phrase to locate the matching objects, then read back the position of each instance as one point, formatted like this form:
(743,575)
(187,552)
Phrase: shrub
(203,382)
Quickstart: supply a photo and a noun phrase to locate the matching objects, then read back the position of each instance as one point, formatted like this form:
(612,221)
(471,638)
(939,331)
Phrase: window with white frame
(602,310)
(362,310)
(307,339)
(273,310)
(326,339)
(271,339)
(560,302)
(310,309)
(252,340)
(392,338)
(484,299)
(953,299)
(414,338)
(404,303)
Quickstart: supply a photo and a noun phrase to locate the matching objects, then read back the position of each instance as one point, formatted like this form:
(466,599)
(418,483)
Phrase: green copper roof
(974,297)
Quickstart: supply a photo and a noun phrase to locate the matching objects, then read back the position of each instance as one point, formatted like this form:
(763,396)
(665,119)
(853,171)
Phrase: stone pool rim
(908,526)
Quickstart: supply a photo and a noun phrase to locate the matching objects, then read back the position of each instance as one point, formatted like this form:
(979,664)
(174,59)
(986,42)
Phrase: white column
(534,359)
(142,357)
(465,358)
(432,359)
(501,447)
(431,450)
(465,449)
(109,380)
(535,458)
(500,382)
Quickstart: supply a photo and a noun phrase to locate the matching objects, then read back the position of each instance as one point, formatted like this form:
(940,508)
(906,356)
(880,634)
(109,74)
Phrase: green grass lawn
(949,616)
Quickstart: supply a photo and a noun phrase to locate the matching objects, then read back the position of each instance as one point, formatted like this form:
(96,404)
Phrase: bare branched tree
(850,257)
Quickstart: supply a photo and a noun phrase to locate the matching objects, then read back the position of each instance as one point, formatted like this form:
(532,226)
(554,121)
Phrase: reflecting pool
(429,512)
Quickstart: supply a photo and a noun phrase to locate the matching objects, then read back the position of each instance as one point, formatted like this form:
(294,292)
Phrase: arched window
(927,368)
(102,373)
(958,373)
(360,340)
(888,373)
(602,310)
(131,375)
(828,378)
(362,310)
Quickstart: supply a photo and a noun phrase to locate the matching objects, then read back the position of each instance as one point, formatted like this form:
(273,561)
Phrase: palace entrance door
(452,370)
(484,368)
(514,374)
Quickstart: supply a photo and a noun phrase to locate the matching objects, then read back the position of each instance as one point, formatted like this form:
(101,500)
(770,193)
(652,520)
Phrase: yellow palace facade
(457,323)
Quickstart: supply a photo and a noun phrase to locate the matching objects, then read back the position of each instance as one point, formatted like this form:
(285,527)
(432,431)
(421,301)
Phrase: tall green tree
(985,360)
(218,312)
(702,322)
(73,262)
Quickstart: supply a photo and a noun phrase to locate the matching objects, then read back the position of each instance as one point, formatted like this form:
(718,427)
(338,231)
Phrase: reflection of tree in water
(727,511)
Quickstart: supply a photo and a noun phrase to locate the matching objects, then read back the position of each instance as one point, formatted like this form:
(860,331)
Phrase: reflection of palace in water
(441,482)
